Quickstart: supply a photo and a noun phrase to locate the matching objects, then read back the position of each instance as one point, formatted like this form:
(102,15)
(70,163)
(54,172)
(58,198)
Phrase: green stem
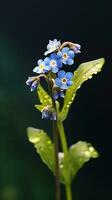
(68,192)
(66,159)
(63,138)
(55,138)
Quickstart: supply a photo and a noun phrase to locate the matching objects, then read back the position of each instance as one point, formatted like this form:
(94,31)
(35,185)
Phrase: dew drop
(87,154)
(35,139)
(84,76)
(61,166)
(68,106)
(72,98)
(91,149)
(48,142)
(78,87)
(69,102)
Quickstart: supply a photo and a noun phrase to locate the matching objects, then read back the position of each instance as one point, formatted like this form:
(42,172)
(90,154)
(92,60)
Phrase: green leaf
(44,98)
(83,73)
(39,107)
(43,145)
(79,154)
(45,148)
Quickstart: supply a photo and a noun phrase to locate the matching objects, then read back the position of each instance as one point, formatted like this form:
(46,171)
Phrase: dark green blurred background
(25,28)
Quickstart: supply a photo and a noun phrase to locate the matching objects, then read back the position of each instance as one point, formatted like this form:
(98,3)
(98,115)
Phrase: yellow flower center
(41,66)
(65,56)
(53,63)
(64,80)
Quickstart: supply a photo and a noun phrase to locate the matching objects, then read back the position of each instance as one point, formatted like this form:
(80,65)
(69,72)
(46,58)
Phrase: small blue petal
(59,63)
(61,94)
(69,83)
(33,86)
(59,54)
(65,50)
(45,115)
(55,95)
(61,74)
(70,61)
(48,114)
(47,67)
(36,69)
(64,86)
(69,75)
(65,62)
(55,69)
(53,56)
(40,61)
(71,54)
(29,81)
(47,61)
(58,82)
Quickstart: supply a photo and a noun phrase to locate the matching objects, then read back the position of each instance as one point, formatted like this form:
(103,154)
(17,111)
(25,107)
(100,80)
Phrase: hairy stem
(66,159)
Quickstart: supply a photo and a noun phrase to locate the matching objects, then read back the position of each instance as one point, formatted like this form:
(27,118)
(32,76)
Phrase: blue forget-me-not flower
(66,56)
(57,94)
(76,48)
(64,79)
(33,82)
(42,67)
(49,113)
(54,62)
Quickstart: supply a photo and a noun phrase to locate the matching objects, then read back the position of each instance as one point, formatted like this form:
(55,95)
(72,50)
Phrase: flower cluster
(60,55)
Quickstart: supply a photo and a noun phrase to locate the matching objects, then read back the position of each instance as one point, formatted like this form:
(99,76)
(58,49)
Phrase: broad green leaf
(44,98)
(45,148)
(83,73)
(43,145)
(79,154)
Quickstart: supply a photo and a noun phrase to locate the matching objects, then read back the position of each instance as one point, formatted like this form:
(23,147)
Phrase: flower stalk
(55,139)
(66,159)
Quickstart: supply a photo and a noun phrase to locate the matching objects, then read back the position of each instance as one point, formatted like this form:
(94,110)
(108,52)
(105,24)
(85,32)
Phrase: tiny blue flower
(49,113)
(52,46)
(66,56)
(33,83)
(76,48)
(58,94)
(54,62)
(64,79)
(42,67)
